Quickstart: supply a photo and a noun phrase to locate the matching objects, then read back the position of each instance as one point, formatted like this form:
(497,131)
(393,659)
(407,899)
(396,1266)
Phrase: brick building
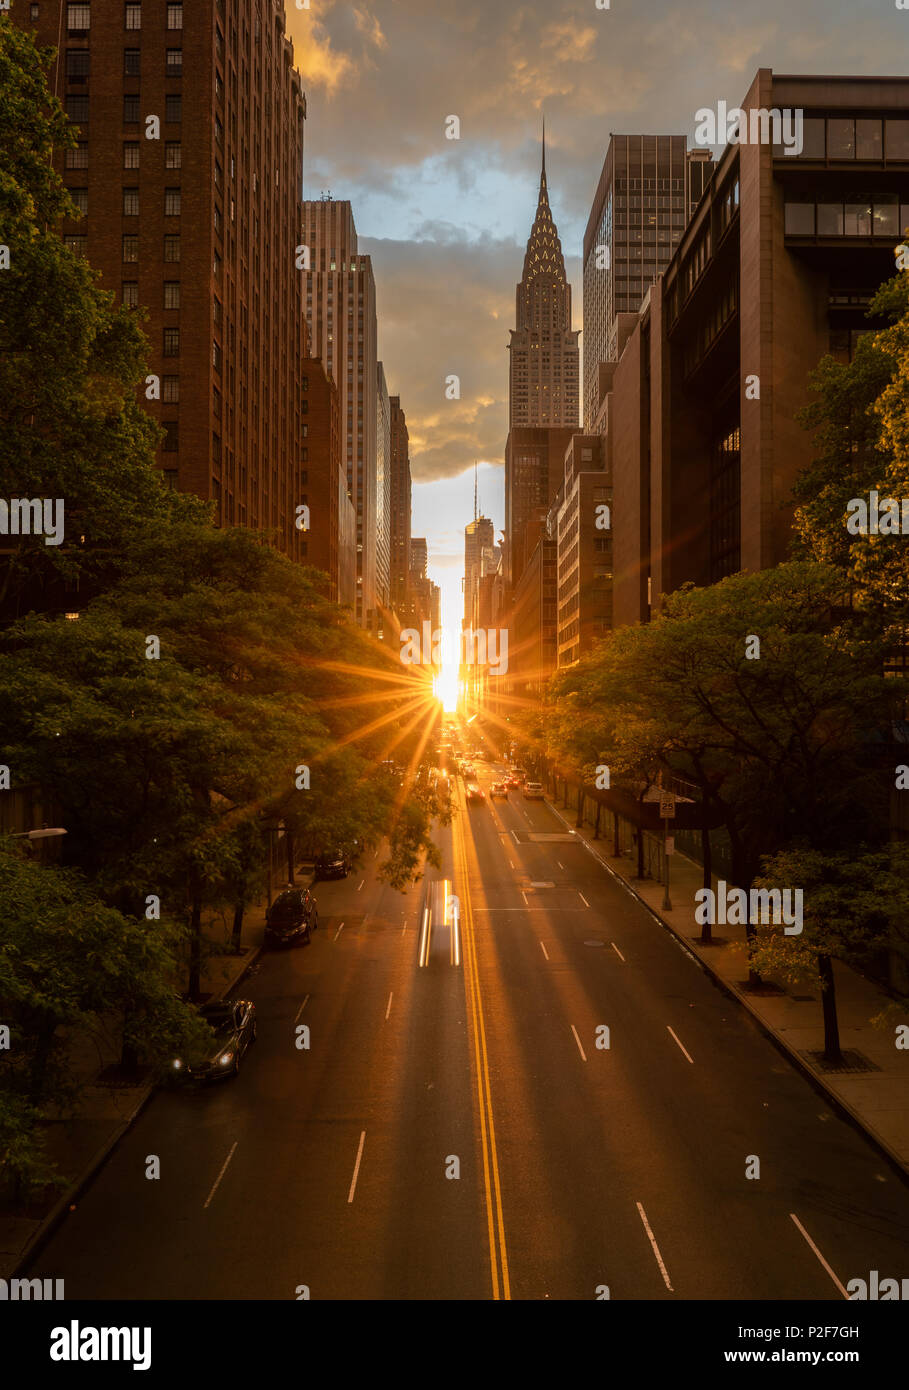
(775,269)
(188,174)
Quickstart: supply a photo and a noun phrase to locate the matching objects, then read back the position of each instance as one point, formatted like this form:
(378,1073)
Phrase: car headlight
(177,1064)
(226,1058)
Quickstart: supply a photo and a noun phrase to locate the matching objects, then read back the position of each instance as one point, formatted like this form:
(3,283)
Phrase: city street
(580,1166)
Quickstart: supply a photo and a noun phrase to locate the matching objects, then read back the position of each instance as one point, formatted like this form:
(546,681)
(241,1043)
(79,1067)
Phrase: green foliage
(68,962)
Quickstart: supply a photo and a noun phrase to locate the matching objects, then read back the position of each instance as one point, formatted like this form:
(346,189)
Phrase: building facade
(580,522)
(534,467)
(187,173)
(543,352)
(340,306)
(401,495)
(776,269)
(648,187)
(383,495)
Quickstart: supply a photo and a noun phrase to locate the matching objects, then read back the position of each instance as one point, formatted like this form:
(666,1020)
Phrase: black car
(291,918)
(233,1022)
(334,863)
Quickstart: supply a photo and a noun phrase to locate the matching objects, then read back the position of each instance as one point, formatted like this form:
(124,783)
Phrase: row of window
(78,64)
(878,215)
(845,137)
(79,15)
(78,243)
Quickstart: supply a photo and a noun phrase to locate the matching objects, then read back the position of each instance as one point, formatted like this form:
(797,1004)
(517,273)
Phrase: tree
(71,427)
(68,962)
(860,419)
(782,745)
(854,904)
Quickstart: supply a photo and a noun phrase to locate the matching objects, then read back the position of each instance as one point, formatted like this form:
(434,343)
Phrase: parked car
(474,793)
(499,789)
(533,791)
(333,863)
(291,919)
(233,1022)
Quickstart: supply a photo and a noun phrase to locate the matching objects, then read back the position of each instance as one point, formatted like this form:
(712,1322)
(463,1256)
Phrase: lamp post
(667,812)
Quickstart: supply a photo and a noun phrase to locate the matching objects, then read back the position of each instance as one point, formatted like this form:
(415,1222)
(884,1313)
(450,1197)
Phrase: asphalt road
(458,1130)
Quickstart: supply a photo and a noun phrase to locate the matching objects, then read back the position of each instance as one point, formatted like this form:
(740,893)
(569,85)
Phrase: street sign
(667,805)
(670,844)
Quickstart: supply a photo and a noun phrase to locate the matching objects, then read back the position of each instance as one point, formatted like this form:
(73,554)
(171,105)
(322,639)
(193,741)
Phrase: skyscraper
(399,563)
(383,491)
(188,182)
(543,372)
(648,187)
(341,313)
(479,545)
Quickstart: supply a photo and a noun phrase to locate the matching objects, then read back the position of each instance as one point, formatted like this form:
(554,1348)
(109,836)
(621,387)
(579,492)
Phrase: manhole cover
(594,943)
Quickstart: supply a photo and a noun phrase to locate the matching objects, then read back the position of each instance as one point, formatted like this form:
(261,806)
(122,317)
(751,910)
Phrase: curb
(39,1238)
(816,1079)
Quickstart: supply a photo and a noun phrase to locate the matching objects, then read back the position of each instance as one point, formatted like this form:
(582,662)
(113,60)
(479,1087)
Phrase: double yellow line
(498,1256)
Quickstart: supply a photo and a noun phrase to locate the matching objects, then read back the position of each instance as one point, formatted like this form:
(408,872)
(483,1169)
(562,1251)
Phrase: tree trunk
(616,842)
(832,1053)
(195,949)
(640,839)
(580,818)
(596,822)
(707,855)
(237,933)
(289,842)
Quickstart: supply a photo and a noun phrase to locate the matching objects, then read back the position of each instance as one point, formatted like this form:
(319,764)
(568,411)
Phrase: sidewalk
(876,1098)
(79,1146)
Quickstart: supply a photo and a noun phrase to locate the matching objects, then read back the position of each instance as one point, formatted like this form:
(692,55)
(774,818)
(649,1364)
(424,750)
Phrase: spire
(475,489)
(544,250)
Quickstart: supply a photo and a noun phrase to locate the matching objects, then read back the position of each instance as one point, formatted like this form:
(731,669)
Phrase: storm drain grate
(852,1061)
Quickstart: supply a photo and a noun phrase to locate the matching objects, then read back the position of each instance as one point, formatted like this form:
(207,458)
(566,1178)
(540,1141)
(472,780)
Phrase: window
(171,294)
(80,198)
(869,139)
(898,139)
(216,356)
(77,158)
(130,202)
(130,290)
(173,66)
(830,219)
(33,13)
(858,218)
(170,476)
(171,249)
(170,389)
(78,18)
(130,248)
(841,138)
(131,108)
(173,109)
(799,219)
(216,312)
(171,202)
(171,436)
(171,342)
(130,154)
(173,154)
(131,62)
(133,17)
(77,65)
(77,108)
(76,244)
(175,16)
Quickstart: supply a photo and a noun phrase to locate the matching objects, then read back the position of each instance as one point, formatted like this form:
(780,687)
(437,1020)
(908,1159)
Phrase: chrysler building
(543,375)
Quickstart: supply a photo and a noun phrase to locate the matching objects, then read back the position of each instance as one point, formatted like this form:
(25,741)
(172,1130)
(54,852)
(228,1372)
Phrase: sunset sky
(446,221)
